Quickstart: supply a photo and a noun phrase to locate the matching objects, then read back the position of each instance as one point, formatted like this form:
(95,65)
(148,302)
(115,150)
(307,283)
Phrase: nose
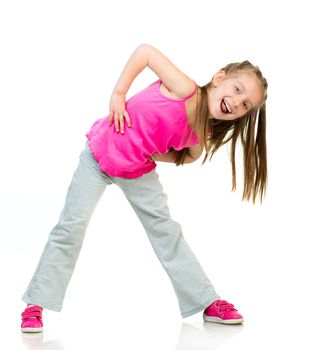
(236,103)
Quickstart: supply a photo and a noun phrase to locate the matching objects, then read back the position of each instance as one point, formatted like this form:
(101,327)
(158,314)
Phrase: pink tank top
(158,122)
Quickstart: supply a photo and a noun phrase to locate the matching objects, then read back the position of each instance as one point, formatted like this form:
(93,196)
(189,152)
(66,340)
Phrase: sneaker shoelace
(223,305)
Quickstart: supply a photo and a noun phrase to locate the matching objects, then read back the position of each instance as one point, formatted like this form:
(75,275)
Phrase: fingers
(119,120)
(127,119)
(153,157)
(110,117)
(116,121)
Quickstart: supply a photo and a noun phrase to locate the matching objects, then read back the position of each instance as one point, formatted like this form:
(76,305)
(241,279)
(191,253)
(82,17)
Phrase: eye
(237,89)
(245,105)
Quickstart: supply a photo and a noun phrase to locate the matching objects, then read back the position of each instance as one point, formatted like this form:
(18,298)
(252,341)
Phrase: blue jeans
(50,280)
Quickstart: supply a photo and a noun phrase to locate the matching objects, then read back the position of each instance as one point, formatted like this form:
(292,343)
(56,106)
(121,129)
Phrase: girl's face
(232,96)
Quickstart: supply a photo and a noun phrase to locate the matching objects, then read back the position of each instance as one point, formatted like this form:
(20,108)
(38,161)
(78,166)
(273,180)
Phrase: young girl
(171,120)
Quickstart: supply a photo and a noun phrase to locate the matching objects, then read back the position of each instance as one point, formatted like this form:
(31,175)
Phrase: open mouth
(225,107)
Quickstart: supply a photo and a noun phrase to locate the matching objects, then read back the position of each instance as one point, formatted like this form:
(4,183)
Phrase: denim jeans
(50,280)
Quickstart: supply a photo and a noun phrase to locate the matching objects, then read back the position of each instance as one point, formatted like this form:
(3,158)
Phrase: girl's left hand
(154,157)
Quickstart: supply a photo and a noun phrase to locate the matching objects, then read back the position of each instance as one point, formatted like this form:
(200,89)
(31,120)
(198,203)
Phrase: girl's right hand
(117,110)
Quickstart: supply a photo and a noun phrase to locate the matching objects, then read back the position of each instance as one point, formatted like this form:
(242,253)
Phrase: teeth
(227,106)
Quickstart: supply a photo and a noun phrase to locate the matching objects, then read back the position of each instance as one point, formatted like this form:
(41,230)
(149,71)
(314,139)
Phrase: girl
(171,120)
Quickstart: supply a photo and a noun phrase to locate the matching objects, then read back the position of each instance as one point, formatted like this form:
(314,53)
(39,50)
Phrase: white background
(59,63)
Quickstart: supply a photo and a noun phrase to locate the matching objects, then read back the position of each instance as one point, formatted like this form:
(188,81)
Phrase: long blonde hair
(212,133)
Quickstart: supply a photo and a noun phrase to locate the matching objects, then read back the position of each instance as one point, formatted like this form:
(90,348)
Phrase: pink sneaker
(222,312)
(32,319)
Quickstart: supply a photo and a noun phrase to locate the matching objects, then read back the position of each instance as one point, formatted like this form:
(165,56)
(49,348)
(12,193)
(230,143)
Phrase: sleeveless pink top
(158,122)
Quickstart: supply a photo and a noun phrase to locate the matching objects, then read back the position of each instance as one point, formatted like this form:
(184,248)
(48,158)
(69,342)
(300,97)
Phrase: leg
(193,289)
(53,273)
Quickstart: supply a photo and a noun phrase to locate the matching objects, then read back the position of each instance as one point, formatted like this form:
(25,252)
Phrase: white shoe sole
(219,320)
(32,330)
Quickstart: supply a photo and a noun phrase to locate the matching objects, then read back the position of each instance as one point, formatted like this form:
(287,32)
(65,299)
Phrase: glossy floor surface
(157,330)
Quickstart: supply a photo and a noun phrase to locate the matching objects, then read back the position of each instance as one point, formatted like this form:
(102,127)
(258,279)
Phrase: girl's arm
(136,64)
(195,151)
(117,106)
(178,83)
(170,157)
(146,55)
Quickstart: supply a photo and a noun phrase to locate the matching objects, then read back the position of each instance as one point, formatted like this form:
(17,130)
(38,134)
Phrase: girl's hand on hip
(117,110)
(154,157)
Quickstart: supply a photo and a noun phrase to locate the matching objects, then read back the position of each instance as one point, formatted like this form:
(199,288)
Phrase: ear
(218,77)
